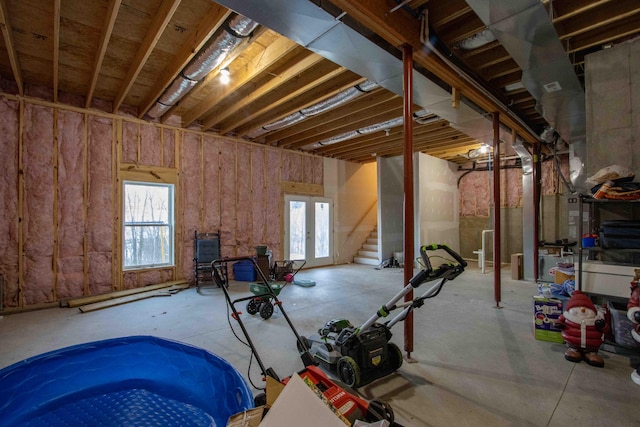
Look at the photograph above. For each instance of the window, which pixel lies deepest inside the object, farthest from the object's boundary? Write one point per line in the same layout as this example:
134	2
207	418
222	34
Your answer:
148	224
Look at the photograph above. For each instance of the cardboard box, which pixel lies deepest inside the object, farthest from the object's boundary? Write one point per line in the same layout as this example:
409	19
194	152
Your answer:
546	312
517	266
559	277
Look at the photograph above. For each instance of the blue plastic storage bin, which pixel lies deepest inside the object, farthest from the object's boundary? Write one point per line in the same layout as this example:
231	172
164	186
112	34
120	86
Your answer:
244	271
130	381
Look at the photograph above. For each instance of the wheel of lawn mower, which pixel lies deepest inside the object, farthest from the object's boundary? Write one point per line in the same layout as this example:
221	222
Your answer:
299	345
266	310
253	306
349	371
395	356
379	410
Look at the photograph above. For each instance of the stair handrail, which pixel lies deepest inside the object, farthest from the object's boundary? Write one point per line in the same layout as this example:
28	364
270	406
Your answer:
375	202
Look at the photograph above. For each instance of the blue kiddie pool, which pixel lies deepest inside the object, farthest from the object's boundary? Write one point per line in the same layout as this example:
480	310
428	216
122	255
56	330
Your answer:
131	381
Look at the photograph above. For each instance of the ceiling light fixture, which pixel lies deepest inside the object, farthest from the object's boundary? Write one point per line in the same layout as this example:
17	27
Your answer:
225	75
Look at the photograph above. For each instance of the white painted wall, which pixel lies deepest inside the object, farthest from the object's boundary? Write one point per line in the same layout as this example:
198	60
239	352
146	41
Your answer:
353	188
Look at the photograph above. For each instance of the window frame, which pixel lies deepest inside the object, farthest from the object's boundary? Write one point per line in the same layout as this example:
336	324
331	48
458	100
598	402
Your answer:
170	224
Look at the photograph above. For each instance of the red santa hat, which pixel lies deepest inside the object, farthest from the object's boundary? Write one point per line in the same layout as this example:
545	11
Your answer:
579	299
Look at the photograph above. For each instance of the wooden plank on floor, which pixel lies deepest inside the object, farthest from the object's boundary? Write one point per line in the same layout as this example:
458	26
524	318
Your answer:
134	297
111	295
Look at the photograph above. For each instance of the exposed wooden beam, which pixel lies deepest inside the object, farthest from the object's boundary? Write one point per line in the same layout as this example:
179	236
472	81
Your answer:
56	47
160	21
399	28
206	28
5	26
107	29
270	55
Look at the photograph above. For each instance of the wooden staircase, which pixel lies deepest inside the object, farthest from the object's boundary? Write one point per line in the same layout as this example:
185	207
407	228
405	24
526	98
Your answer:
368	254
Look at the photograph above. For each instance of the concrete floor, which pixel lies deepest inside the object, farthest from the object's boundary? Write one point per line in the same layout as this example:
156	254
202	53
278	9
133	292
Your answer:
476	365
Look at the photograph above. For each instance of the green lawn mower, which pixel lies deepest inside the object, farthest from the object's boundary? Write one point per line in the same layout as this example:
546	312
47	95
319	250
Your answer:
361	355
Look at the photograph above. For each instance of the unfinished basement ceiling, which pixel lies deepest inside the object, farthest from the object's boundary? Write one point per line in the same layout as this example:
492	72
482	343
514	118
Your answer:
162	59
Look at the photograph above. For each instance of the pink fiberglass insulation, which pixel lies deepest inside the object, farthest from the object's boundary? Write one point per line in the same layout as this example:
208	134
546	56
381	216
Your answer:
292	166
130	280
71	170
100	205
475	194
169	148
211	184
9	202
243	200
258	185
129	142
38	229
511	188
192	195
273	196
228	198
150	145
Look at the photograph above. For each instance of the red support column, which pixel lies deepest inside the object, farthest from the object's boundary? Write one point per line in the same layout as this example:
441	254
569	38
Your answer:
497	259
407	61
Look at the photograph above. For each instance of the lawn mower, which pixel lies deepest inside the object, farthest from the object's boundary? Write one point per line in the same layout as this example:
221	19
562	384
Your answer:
361	355
346	405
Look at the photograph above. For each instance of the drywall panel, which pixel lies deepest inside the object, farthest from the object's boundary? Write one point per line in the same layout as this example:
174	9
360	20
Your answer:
38	218
9	202
437	216
390	206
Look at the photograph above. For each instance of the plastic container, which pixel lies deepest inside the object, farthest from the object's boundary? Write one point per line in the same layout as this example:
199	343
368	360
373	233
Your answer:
589	240
244	271
261	250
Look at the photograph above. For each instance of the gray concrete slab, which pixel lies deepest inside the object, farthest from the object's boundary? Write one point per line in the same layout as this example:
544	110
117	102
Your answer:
476	364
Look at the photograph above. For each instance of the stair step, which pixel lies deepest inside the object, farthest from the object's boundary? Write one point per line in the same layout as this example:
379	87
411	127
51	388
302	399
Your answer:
365	260
374	234
372	241
367	247
369	254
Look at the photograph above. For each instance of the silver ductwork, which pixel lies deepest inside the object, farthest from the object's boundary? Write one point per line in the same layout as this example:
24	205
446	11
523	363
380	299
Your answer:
320	107
528	210
421	117
317	30
477	40
206	60
526	31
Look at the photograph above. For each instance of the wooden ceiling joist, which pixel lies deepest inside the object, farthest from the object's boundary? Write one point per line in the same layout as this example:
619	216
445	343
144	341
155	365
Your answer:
5	27
105	36
206	28
160	21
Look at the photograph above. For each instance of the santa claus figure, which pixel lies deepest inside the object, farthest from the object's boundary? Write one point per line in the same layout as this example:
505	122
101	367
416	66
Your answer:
582	329
633	314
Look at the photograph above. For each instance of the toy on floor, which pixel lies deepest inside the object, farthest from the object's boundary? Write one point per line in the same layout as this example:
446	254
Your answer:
633	314
583	328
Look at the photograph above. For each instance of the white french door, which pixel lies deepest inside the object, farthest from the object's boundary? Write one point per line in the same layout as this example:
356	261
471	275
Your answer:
308	229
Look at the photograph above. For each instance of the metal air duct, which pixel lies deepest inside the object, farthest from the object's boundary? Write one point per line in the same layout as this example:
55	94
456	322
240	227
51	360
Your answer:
322	106
207	59
526	31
